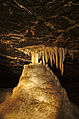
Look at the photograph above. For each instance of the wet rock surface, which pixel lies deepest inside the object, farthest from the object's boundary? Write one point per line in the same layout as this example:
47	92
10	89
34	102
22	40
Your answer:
38	95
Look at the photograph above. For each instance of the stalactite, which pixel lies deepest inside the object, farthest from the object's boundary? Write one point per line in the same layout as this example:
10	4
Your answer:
46	56
63	50
42	53
61	60
53	56
43	60
34	58
62	70
63	54
60	56
56	55
50	54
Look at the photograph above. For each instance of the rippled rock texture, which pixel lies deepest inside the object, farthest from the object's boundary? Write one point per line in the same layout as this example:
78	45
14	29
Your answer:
51	22
38	95
32	22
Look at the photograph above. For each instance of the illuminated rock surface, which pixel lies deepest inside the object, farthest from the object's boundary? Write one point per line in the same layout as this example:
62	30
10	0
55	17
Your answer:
34	22
38	95
53	55
49	22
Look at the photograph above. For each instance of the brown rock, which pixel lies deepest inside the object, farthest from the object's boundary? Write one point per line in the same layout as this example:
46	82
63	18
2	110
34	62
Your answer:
38	95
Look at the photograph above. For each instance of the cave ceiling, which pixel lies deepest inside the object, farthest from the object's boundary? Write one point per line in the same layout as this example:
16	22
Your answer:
34	22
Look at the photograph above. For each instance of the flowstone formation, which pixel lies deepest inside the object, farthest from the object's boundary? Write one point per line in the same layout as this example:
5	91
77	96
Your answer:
38	95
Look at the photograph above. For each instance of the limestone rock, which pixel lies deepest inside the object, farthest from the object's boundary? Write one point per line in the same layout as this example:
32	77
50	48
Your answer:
38	95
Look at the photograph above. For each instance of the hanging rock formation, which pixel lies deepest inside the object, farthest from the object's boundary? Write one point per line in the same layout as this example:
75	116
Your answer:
56	55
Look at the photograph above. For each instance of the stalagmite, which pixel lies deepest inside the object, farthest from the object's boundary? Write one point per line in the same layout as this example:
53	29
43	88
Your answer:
36	98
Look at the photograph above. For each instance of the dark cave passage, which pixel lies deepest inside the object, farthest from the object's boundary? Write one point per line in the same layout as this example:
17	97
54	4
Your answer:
8	78
70	78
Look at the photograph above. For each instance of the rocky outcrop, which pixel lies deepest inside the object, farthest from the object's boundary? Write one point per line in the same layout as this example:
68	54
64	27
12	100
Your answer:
38	95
